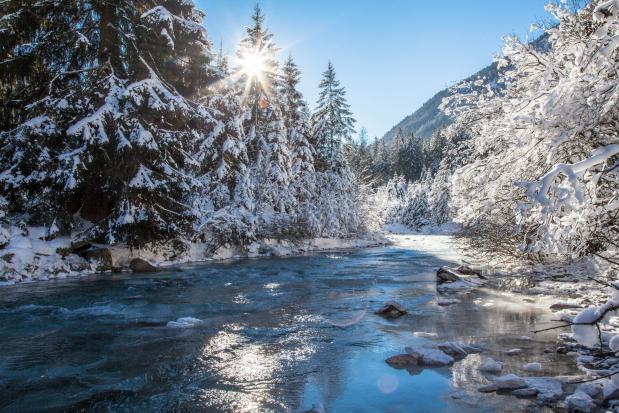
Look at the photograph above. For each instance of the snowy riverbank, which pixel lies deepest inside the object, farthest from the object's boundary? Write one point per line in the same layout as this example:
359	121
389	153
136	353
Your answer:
29	257
576	292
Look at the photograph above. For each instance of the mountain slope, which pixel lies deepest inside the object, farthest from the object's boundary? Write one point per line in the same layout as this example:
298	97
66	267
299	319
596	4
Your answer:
427	119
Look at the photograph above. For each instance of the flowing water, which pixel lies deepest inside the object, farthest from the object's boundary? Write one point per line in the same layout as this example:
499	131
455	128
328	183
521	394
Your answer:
276	334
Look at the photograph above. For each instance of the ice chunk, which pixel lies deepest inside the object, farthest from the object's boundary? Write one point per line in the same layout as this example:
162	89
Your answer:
185	322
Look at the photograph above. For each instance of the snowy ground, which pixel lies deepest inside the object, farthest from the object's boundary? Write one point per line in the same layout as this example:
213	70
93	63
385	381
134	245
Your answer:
28	257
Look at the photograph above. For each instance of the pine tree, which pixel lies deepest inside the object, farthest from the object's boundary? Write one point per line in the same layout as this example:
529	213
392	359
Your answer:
296	121
226	201
268	146
332	122
412	157
111	124
398	160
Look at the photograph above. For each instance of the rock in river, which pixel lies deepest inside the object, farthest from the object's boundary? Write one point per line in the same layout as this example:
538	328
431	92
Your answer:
491	366
140	265
509	382
391	310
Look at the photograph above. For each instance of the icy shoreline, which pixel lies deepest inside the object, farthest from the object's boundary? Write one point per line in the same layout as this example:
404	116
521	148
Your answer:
28	257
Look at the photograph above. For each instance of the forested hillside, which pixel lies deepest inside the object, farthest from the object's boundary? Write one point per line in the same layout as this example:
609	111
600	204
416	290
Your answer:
120	124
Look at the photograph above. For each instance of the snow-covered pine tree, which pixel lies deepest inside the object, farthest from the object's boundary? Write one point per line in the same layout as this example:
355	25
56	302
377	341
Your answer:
267	143
332	122
107	132
4	232
225	204
43	51
296	121
360	160
332	128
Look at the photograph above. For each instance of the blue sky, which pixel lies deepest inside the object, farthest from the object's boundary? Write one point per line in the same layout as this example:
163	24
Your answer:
391	55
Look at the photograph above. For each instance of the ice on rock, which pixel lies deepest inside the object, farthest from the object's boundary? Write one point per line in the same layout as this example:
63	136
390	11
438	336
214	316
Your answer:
430	356
491	366
185	322
585	334
613	344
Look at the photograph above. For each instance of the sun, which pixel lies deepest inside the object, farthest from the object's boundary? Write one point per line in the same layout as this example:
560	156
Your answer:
253	64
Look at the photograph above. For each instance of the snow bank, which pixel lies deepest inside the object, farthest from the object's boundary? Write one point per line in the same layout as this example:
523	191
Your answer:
29	257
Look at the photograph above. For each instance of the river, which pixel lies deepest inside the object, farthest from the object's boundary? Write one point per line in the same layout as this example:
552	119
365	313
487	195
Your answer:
253	335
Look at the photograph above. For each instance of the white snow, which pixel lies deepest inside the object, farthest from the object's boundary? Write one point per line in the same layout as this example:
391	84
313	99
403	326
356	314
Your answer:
587	335
429	356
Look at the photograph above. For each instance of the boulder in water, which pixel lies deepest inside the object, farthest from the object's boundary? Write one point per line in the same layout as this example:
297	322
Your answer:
509	382
446	275
491	366
458	349
140	265
431	357
391	310
402	361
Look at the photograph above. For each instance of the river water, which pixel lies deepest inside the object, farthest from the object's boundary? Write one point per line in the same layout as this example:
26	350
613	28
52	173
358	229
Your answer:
254	335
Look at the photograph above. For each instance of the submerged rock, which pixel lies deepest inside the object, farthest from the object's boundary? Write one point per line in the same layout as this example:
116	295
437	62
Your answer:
391	310
141	265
